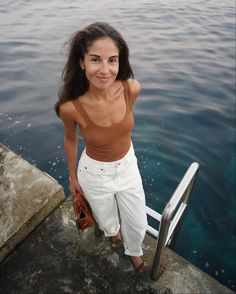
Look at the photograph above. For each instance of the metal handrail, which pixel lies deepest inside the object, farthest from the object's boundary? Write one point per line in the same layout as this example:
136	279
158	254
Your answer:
169	220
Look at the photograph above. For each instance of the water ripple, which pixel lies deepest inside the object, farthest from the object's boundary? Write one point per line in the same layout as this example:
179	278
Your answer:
183	54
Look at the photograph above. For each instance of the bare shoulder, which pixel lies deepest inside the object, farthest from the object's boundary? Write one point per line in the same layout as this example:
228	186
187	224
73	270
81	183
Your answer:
135	87
70	115
67	110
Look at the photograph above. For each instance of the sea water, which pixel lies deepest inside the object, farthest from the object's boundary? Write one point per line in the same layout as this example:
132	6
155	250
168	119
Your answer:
183	53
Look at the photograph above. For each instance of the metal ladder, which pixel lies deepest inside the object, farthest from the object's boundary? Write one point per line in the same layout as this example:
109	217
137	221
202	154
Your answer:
171	217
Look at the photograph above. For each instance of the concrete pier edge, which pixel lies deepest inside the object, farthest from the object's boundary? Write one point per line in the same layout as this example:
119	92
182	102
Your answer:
27	197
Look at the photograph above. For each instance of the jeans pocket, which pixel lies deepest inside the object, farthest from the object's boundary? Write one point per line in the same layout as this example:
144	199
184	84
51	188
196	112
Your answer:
89	175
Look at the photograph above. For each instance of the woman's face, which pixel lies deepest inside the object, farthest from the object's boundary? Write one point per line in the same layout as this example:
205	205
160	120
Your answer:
101	63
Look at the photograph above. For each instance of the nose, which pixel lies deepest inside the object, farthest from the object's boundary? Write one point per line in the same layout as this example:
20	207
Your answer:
104	68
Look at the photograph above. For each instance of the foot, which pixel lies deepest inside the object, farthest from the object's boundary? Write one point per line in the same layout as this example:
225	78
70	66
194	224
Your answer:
117	244
138	263
117	241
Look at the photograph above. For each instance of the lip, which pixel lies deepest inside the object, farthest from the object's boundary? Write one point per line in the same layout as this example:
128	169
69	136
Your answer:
103	79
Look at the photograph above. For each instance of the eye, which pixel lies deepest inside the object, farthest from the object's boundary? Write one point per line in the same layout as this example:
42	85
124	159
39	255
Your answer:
113	60
95	60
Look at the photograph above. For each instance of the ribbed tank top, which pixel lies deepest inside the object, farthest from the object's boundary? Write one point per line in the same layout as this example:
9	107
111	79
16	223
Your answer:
108	143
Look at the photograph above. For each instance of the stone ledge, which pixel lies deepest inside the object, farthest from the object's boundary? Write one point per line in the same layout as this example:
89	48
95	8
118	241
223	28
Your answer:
27	196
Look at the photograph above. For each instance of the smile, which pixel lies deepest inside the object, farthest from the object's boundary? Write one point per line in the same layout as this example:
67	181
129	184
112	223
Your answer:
103	79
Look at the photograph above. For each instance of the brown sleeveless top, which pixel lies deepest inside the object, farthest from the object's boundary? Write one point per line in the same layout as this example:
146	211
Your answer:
108	143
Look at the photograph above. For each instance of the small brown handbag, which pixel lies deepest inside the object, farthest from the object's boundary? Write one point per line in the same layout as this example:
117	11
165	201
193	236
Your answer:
83	214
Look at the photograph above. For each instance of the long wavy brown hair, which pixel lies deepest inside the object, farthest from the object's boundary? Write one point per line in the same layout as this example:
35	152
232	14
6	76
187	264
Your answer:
74	81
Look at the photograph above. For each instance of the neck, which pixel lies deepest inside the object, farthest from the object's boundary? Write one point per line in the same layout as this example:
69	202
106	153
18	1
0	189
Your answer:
99	94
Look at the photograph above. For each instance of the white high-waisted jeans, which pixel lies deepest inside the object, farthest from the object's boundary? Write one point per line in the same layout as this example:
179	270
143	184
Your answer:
116	186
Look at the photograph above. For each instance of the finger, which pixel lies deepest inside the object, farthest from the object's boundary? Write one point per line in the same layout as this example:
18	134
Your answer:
80	189
78	192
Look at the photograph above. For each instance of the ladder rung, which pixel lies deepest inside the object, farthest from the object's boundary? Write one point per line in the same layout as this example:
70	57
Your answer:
153	213
152	231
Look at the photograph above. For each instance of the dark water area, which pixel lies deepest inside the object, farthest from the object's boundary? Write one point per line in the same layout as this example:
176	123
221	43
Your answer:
183	53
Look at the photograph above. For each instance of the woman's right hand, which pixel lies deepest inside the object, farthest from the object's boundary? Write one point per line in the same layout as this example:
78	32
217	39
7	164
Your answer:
75	187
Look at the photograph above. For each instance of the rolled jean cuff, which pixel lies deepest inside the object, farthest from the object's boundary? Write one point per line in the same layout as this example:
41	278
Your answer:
111	235
133	253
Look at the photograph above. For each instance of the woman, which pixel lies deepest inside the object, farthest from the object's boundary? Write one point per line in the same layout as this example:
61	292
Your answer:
97	96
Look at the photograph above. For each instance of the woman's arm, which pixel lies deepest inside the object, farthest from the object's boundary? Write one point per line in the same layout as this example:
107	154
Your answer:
70	145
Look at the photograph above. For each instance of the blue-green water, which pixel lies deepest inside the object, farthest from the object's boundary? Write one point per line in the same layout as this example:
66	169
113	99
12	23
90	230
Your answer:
182	52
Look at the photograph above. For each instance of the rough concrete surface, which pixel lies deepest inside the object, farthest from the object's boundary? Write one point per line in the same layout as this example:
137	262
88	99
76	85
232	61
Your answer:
55	258
27	196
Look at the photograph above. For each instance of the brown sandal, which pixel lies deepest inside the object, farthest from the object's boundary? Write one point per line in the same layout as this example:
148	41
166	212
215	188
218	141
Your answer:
118	246
118	243
142	267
